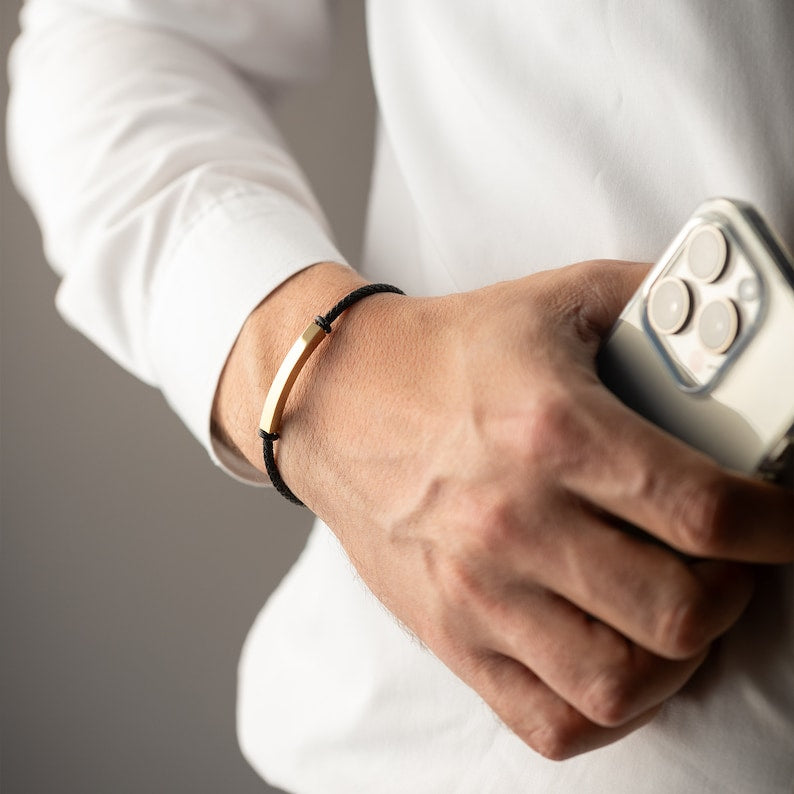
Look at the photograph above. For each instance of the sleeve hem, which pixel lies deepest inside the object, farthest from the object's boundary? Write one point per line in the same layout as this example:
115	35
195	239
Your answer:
220	272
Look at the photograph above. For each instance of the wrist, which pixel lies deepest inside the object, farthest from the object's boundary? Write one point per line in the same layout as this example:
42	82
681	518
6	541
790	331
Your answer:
295	360
261	345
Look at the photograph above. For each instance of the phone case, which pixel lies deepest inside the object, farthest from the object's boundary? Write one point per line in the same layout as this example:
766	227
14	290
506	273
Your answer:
705	348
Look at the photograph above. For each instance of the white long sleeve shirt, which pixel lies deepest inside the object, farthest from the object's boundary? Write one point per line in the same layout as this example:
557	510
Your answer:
513	137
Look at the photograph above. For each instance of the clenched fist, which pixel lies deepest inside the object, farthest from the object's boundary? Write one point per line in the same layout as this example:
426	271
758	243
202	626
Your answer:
480	478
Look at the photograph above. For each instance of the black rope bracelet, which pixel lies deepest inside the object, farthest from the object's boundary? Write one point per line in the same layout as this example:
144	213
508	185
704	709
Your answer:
288	372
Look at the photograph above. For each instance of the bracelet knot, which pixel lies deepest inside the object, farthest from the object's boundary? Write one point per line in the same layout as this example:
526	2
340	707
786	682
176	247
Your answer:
323	323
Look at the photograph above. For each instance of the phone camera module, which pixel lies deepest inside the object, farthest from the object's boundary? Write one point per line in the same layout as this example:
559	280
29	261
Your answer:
707	253
718	325
669	305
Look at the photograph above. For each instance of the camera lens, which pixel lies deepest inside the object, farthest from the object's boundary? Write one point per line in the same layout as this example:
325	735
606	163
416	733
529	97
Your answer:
718	325
668	305
707	253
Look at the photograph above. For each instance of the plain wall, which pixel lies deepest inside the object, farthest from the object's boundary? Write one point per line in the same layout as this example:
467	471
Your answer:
131	567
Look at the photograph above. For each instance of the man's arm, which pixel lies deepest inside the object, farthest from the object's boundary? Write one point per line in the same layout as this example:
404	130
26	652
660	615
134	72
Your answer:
166	197
461	447
476	472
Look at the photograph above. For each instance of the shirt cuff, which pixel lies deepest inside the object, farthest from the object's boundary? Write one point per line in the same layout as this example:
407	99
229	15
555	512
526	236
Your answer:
228	261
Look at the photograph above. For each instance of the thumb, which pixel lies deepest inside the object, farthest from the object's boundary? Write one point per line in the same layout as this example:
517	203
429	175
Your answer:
601	289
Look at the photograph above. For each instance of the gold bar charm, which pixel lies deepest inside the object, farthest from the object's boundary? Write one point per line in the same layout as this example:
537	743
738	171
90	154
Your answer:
285	377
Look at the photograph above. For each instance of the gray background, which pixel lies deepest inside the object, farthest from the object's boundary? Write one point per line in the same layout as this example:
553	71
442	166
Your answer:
131	567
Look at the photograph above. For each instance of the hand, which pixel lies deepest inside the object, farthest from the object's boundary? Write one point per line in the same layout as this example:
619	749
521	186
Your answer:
476	472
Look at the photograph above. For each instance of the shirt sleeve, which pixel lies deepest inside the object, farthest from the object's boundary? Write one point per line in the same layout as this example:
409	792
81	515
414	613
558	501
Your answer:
139	134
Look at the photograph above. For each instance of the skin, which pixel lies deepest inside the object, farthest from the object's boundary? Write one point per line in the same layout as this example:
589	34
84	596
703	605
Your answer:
477	474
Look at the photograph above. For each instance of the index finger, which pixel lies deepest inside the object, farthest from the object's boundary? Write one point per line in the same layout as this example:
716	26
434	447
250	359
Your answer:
674	492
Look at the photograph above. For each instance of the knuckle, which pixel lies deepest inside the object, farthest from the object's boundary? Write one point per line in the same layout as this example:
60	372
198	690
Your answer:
608	699
498	531
680	629
701	516
555	434
556	741
490	527
642	482
460	582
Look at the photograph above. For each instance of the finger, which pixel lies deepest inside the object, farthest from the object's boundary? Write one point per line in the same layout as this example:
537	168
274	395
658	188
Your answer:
536	714
606	678
645	476
642	590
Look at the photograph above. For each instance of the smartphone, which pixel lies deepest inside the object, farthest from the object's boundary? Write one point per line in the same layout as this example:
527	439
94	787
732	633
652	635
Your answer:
705	348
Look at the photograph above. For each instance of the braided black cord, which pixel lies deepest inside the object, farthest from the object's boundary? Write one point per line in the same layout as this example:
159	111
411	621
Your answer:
355	295
272	470
324	321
